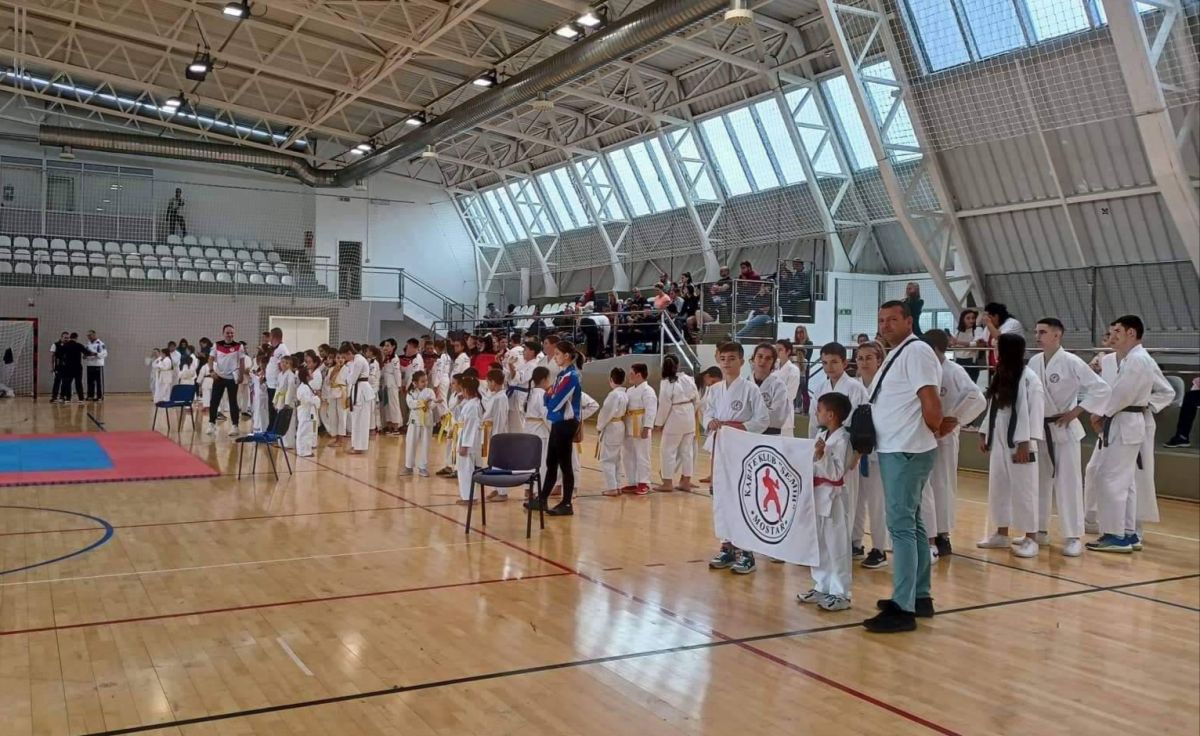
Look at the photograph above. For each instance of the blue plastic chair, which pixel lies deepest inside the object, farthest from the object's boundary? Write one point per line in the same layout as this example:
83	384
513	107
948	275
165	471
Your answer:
272	438
182	397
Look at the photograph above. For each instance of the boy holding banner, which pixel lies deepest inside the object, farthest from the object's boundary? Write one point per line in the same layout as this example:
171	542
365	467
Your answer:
732	402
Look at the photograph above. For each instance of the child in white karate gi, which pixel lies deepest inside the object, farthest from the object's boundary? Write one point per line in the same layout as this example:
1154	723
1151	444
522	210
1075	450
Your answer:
421	415
308	406
470	436
495	420
611	427
535	410
833	462
676	416
639	418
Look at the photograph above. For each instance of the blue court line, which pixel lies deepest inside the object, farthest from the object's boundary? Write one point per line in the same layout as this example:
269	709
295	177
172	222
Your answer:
108	534
99	423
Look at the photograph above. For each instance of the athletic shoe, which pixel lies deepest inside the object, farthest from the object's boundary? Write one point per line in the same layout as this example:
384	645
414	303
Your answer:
812	596
1111	543
942	541
996	541
744	565
923	606
933	552
405	471
859	552
1091	527
875	560
563	509
643	489
1177	441
834	603
1025	548
1042	538
1135	542
212	429
423	473
723	559
233	432
1073	547
891	620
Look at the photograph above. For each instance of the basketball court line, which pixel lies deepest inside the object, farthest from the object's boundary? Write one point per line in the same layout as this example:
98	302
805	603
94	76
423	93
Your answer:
204	521
293	656
741	642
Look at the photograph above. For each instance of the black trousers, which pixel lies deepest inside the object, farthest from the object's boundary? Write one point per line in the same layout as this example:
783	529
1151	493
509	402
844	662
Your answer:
559	454
68	379
57	389
95	382
227	386
270	408
1187	413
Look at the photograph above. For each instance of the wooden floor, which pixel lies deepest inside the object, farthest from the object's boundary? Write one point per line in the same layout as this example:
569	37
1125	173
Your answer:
345	600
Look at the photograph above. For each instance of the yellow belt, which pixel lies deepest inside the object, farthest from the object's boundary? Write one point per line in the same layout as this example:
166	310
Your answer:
421	413
635	417
487	437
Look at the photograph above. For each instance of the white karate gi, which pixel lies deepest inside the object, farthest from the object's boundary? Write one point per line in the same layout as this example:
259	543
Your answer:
790	373
308	405
1067	382
832	575
774	396
961	400
587	409
736	401
639	414
1012	488
374	378
392	380
676	416
205	383
285	395
362	401
259	415
495	421
243	388
870	505
421	410
848	386
440	380
162	371
535	422
611	426
470	436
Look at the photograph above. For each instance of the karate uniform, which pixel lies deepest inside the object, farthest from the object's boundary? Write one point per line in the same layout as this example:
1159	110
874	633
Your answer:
421	409
1012	488
392	380
495	421
440	378
739	401
308	405
774	396
611	426
639	414
789	372
519	377
163	372
962	400
374	377
204	382
243	388
587	409
535	422
1067	382
258	403
362	401
470	436
1108	373
847	386
285	395
832	574
870	504
186	376
676	416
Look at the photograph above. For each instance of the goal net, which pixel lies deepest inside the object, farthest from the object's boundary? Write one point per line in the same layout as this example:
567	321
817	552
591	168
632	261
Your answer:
18	357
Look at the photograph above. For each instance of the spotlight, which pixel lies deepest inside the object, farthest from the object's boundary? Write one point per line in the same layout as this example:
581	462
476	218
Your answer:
200	66
355	152
568	31
417	119
488	79
364	148
237	9
173	103
593	18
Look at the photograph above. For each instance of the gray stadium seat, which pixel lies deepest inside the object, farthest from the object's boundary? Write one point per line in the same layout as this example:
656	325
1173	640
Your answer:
22	254
133	260
273	257
6	267
252	244
179	251
174	239
59	256
171	275
240	278
162	250
118	272
58	244
273	280
99	272
211	253
20	242
195	252
235	244
286	280
40	242
207	276
42	269
221	241
183	263
167	262
190	240
217	265
205	240
150	261
246	266
80	271
243	255
265	268
228	254
200	263
5	254
95	246
154	274
23	267
258	255
190	276
223	277
62	269
116	259
232	265
137	273
256	278
79	258
146	249
111	247
5	241
75	245
96	259
281	268
128	248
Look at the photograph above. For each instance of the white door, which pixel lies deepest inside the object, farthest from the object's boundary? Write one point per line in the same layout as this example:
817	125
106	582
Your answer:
302	333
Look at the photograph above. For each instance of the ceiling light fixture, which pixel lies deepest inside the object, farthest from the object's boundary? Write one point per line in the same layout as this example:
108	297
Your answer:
593	18
569	31
488	78
417	119
200	66
237	9
173	103
364	148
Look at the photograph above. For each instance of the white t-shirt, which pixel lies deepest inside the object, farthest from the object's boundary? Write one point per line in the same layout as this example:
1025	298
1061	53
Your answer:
273	365
899	424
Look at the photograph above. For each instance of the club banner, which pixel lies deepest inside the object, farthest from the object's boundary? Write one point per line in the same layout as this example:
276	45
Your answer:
763	495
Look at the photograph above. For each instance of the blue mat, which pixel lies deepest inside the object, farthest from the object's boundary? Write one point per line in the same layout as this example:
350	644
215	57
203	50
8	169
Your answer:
31	455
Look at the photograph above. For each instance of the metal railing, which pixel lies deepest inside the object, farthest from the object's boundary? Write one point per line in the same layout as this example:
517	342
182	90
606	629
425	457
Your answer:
738	309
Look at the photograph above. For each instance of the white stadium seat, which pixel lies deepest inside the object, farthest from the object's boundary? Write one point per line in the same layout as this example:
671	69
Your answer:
95	246
223	277
243	255
195	252
62	269
42	269
167	262
75	245
22	254
200	263
179	251
150	261
23	267
154	274
205	241
111	247
232	265
80	271
183	263
273	280
228	254
96	259
20	242
6	267
212	253
146	249
40	243
252	244
190	240
117	272
137	273
221	241
281	268
258	255
100	272
79	258
206	276
171	274
273	257
190	276
5	254
5	241
173	239
235	244
240	278
134	260
256	278
58	244
286	280
217	265
128	248
116	259
162	250
250	267
265	268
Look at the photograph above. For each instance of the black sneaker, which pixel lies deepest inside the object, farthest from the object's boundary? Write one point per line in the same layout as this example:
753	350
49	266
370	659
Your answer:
875	560
942	542
563	509
859	552
924	606
891	620
1177	441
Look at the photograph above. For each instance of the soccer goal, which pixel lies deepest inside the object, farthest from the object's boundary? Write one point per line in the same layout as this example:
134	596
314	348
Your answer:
18	356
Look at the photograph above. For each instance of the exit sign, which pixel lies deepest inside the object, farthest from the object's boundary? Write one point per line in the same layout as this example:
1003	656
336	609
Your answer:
844	312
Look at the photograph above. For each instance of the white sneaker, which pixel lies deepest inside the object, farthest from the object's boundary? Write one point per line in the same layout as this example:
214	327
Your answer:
933	553
834	603
212	429
233	432
1042	538
406	471
423	473
1025	548
996	541
1073	547
812	596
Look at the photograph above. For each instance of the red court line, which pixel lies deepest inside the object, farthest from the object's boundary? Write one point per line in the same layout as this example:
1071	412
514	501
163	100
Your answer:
693	625
277	604
207	521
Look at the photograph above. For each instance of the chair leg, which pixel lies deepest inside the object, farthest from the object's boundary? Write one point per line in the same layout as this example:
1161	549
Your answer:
154	421
285	456
254	460
482	504
470	508
179	429
529	513
270	449
241	449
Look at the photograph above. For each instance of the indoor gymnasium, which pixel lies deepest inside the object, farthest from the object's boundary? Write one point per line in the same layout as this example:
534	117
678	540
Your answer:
599	367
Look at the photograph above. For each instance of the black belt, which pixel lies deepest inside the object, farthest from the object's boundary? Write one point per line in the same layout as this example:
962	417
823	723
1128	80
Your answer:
1048	431
1108	423
772	431
354	391
1012	421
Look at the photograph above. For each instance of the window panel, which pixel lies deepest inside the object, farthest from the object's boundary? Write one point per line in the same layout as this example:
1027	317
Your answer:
900	132
563	200
1051	18
652	177
994	25
780	141
940	35
666	178
725	157
629	183
858	146
598	188
757	160
528	206
687	149
506	221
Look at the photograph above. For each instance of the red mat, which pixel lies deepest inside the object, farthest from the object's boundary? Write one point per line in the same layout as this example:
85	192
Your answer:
135	456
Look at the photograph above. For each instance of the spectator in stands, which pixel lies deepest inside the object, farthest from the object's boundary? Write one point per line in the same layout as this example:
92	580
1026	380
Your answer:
747	272
492	312
97	352
175	219
614	304
589	295
970	334
661	297
276	351
914	302
862	338
1187	415
637	301
59	392
759	317
720	290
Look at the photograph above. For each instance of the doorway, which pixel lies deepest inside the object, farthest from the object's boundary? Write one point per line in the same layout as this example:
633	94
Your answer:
302	333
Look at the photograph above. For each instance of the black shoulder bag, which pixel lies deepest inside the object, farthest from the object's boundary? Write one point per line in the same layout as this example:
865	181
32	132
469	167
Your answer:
862	424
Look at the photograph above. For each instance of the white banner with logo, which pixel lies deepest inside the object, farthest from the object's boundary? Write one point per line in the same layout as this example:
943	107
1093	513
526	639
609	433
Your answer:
763	495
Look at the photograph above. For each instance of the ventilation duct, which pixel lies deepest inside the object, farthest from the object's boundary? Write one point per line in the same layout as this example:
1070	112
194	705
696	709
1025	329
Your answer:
627	35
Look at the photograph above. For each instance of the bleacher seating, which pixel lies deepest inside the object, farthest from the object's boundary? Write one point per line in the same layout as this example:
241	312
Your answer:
203	262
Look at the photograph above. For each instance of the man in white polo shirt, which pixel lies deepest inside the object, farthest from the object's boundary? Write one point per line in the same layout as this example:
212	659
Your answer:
278	350
907	413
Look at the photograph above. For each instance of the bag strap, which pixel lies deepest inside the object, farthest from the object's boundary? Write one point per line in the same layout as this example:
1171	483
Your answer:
888	367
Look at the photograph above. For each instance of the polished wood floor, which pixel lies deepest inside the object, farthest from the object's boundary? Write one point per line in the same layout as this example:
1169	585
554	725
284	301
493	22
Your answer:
345	600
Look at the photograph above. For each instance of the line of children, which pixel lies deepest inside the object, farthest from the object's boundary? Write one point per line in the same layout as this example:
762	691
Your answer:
610	425
640	411
676	416
422	417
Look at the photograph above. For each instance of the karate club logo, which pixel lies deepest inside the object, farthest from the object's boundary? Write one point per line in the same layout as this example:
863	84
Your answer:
1055	378
769	492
